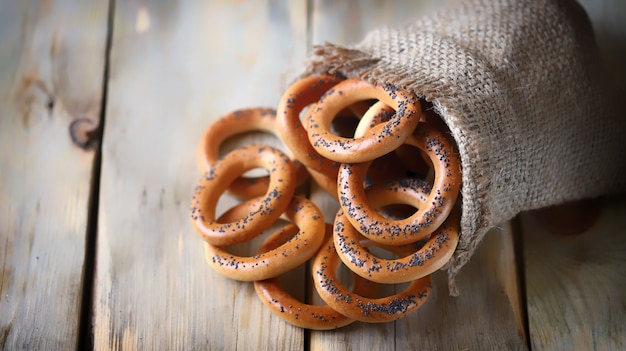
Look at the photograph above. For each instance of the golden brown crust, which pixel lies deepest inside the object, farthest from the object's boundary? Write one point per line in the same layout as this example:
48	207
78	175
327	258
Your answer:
302	246
301	94
361	308
240	122
392	143
281	303
380	140
420	262
221	173
433	208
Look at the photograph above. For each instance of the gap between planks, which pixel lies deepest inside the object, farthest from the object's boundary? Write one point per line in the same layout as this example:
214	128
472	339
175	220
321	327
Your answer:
85	332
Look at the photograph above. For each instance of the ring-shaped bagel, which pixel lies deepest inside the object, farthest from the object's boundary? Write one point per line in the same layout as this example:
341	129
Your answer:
302	246
378	141
377	113
290	309
433	255
221	173
396	164
372	310
388	166
299	95
436	208
238	122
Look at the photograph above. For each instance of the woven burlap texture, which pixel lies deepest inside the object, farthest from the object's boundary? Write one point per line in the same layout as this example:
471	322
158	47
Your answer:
524	93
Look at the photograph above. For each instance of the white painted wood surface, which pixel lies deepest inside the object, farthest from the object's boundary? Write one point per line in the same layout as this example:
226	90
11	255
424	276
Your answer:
51	69
575	285
175	67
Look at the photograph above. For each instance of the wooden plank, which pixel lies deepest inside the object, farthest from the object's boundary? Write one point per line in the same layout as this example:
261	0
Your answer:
489	283
52	60
488	315
575	284
175	67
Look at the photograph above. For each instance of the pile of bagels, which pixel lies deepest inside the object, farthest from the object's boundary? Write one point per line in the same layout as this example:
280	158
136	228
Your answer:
396	176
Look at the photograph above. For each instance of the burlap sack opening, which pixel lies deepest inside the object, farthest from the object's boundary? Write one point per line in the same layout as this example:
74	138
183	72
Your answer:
522	88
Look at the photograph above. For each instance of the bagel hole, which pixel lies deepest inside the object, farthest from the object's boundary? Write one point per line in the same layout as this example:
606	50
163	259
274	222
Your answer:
345	278
251	247
416	164
346	121
396	211
385	290
224	202
405	161
252	138
291	281
400	287
256	173
381	253
344	125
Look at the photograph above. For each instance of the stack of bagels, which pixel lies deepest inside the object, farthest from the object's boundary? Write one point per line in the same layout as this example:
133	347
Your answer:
396	177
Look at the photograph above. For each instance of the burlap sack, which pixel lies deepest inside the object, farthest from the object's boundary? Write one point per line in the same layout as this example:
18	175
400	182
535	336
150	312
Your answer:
522	89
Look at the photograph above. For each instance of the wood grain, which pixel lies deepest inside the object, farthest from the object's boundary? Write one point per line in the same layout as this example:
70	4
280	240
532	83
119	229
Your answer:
488	315
176	67
51	65
575	289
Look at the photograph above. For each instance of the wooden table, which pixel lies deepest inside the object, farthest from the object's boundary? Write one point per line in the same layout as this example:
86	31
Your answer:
101	108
